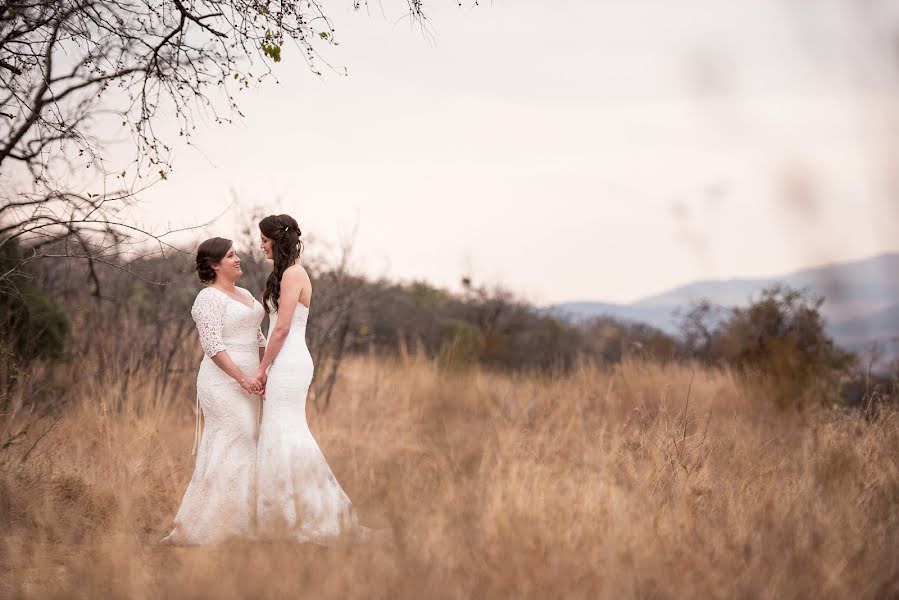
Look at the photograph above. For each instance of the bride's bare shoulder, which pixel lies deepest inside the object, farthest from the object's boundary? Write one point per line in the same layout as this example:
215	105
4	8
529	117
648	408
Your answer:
295	272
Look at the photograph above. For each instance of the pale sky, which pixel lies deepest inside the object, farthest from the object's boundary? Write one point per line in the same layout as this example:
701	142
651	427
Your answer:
600	150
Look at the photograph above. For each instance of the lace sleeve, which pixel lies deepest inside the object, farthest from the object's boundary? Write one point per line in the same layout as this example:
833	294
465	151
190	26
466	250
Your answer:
208	313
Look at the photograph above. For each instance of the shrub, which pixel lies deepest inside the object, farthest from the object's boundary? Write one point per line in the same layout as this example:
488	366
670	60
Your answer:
32	326
780	340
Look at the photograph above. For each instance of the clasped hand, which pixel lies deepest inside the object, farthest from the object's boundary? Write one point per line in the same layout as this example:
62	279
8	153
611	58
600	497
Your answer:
255	385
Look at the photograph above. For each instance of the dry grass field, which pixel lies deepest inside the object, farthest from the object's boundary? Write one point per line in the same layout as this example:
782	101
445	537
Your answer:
641	481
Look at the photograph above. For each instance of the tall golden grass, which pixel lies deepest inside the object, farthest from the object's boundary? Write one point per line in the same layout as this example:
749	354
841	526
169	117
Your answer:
642	481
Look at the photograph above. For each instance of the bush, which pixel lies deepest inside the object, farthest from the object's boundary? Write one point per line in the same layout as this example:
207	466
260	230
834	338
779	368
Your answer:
32	326
778	339
463	344
611	341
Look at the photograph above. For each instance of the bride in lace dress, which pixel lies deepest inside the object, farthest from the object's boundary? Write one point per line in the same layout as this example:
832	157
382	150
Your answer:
298	496
220	501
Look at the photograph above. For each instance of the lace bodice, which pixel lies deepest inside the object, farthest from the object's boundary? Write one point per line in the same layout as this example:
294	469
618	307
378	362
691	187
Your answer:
225	323
220	500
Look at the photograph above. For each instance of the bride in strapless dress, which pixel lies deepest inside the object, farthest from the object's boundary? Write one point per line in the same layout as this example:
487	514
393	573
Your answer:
297	495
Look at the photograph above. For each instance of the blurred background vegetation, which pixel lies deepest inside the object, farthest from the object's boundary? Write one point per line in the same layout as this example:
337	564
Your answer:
121	314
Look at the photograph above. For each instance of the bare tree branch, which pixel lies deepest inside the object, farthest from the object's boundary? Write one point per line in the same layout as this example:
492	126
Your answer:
72	68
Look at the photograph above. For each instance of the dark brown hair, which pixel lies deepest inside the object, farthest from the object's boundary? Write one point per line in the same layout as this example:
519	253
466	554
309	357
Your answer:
284	232
210	252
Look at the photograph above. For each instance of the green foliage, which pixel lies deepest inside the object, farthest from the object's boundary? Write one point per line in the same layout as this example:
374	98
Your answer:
32	326
426	295
463	344
273	51
780	340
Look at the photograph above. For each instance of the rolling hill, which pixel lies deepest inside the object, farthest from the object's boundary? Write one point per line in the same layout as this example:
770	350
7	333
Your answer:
861	301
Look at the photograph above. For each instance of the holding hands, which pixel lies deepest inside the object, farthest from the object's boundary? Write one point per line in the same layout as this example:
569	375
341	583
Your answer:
255	385
252	386
261	380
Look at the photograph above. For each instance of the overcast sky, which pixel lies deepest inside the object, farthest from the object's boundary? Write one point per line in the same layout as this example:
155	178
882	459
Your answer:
570	150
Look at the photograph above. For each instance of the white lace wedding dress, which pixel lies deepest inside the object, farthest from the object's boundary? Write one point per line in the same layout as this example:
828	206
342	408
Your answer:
220	501
298	496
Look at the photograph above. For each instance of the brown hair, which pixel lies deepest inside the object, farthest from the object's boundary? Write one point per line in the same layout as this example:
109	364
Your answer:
284	232
210	252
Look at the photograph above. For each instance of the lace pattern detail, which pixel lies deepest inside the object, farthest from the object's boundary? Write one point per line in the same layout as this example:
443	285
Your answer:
208	312
261	342
218	333
220	500
298	496
255	479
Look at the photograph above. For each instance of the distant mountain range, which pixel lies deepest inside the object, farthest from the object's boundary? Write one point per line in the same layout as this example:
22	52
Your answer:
861	301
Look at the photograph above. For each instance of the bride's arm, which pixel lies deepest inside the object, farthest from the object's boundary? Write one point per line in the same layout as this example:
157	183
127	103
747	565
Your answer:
208	313
223	361
292	283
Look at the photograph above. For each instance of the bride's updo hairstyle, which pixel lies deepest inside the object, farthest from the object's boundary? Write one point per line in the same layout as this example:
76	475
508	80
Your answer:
284	232
209	253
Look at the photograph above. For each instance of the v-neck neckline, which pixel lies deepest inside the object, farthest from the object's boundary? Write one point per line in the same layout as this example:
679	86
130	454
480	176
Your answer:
230	297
